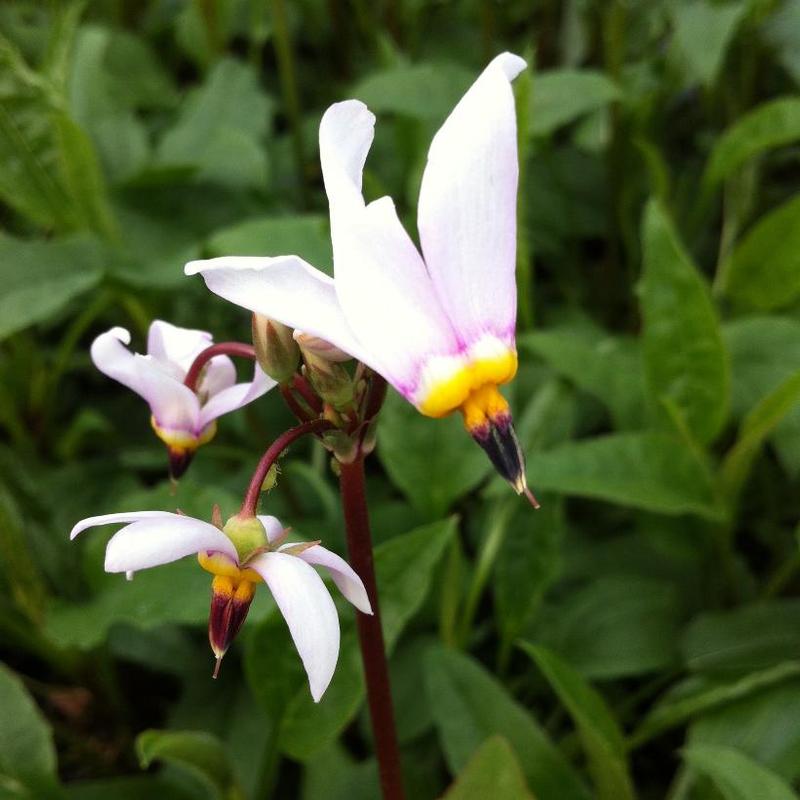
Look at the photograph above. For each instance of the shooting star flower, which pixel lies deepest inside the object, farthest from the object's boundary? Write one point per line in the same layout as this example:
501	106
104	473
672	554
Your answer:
182	417
240	555
439	326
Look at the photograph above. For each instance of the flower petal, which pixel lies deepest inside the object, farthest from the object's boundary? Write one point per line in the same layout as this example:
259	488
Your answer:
236	396
110	519
219	374
273	526
160	540
176	345
284	288
467	206
344	576
174	406
309	612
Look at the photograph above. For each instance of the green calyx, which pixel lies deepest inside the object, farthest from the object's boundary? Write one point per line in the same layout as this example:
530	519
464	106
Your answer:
247	534
276	350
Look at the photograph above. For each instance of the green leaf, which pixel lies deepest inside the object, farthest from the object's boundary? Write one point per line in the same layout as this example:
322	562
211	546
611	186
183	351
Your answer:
767	126
608	367
469	705
561	96
745	639
82	177
735	775
334	774
492	771
27	754
600	734
763	725
764	270
703	31
652	471
701	694
425	91
221	127
685	358
757	426
433	461
128	788
305	235
616	626
404	568
198	753
39	278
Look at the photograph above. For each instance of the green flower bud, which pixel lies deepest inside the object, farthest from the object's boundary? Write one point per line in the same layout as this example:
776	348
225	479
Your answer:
247	535
276	350
331	381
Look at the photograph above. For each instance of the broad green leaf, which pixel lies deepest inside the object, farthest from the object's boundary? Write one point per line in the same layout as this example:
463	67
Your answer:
617	626
745	639
781	32
700	694
600	734
763	725
764	270
221	127
492	771
198	753
703	30
333	774
561	96
82	176
305	235
27	754
404	568
528	563
651	471
39	278
757	425
128	788
433	461
685	358
469	705
767	126
737	776
425	91
608	367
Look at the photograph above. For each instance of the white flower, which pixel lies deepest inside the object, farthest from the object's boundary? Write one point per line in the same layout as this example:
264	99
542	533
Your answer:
242	555
439	326
183	418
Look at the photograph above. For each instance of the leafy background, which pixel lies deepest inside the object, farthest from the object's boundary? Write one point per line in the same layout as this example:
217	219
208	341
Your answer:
637	637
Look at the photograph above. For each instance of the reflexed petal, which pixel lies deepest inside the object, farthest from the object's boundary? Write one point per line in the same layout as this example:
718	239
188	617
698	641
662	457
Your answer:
110	519
309	612
176	345
174	406
467	206
385	291
236	396
219	374
160	540
273	526
344	576
286	289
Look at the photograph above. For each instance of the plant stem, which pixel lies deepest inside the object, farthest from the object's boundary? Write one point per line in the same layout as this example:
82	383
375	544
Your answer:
273	453
221	349
370	634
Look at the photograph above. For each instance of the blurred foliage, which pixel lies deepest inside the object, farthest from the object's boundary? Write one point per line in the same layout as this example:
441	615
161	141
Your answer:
638	637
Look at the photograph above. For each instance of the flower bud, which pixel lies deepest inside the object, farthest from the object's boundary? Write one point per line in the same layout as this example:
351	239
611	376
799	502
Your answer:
320	347
247	534
331	381
276	350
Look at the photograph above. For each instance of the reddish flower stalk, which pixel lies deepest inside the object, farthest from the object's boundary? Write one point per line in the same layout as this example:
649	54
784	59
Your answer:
221	349
370	634
273	453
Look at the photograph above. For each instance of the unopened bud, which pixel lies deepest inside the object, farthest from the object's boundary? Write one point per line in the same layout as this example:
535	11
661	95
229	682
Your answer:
276	350
247	534
331	381
320	347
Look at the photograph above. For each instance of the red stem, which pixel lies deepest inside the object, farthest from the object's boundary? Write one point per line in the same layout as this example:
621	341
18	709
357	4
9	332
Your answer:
370	634
221	349
273	453
303	388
